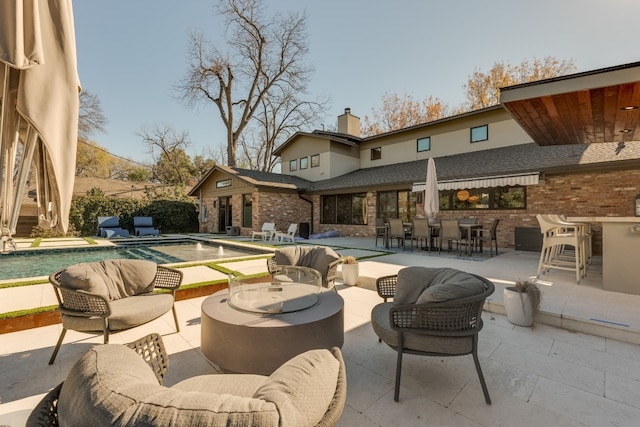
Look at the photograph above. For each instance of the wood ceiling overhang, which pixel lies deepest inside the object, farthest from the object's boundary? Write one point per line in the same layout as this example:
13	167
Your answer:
594	106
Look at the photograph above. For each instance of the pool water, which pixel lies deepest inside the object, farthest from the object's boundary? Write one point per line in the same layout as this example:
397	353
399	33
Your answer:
16	265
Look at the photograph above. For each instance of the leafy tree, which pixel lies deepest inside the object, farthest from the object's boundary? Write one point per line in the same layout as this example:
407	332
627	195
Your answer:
265	59
401	112
167	147
483	89
93	160
201	165
139	174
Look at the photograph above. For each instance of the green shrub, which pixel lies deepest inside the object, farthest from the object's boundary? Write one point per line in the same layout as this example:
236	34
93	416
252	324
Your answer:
173	211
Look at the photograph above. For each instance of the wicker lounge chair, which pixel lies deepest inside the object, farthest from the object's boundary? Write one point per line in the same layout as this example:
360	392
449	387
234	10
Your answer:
435	312
109	226
308	390
113	295
321	258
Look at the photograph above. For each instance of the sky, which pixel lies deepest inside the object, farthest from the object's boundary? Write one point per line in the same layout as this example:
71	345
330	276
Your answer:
132	54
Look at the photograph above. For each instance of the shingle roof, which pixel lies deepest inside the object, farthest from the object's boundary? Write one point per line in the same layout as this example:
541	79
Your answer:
513	159
500	161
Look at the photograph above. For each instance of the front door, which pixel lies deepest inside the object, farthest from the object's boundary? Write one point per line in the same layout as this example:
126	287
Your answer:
224	214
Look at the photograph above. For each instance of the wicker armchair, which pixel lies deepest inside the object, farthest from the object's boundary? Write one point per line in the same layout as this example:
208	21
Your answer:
93	312
153	352
150	348
323	259
447	328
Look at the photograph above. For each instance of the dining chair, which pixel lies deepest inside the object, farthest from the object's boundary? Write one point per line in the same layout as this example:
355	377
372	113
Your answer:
450	231
420	232
396	231
491	237
381	231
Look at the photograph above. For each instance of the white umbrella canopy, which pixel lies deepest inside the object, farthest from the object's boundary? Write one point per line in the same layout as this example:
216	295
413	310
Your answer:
431	199
39	101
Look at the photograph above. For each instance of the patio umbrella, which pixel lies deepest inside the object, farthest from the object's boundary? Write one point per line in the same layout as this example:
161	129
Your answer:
431	199
39	109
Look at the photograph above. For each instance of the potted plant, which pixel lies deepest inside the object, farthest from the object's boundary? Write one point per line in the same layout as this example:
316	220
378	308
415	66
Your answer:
350	270
521	302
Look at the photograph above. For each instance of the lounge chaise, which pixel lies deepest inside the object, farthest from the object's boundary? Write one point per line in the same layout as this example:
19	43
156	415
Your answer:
122	385
109	226
143	226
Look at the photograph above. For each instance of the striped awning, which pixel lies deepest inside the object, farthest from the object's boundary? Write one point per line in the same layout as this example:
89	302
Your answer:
484	182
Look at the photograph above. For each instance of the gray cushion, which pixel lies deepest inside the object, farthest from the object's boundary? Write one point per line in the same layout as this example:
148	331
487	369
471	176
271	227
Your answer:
122	278
125	313
316	257
81	277
418	285
302	388
112	385
244	385
87	397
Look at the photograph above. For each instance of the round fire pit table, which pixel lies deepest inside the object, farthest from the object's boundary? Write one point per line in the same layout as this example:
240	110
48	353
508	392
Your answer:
259	343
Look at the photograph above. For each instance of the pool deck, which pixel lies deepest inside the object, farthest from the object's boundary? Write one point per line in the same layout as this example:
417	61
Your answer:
579	365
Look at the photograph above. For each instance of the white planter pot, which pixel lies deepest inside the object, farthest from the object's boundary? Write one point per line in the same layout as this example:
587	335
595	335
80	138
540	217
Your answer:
518	307
350	273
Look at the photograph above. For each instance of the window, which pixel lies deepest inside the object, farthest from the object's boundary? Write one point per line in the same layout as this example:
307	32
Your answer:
247	210
293	165
484	198
480	133
315	160
397	204
424	144
376	153
304	162
344	209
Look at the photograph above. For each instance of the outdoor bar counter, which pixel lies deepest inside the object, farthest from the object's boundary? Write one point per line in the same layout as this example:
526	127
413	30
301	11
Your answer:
620	252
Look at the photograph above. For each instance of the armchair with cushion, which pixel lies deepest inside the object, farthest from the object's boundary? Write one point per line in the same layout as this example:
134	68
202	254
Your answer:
113	295
435	312
321	258
112	385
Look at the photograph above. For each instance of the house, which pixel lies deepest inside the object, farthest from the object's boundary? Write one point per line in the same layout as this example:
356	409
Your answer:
568	145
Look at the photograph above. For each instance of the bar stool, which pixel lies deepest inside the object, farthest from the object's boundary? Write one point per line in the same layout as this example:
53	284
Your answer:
556	236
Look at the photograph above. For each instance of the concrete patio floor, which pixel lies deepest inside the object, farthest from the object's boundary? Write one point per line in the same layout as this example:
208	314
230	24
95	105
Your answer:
579	364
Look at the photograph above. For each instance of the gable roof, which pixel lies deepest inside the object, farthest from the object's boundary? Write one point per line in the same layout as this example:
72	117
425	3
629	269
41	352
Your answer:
256	178
341	138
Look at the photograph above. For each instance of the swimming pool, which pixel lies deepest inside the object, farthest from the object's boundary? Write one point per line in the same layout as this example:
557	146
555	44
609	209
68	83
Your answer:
17	265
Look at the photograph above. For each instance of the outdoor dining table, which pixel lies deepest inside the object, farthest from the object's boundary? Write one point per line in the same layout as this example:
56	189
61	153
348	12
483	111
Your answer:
468	228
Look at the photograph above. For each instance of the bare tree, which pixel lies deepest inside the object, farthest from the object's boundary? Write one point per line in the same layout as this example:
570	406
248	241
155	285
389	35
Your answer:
483	89
278	117
401	112
263	53
167	148
91	119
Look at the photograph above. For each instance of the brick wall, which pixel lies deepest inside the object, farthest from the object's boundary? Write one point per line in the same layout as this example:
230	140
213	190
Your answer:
585	194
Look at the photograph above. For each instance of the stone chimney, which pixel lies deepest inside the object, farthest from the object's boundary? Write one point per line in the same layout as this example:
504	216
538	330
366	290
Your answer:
348	123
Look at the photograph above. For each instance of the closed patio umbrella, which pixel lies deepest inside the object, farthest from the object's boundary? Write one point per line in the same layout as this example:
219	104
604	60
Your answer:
39	109
431	199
